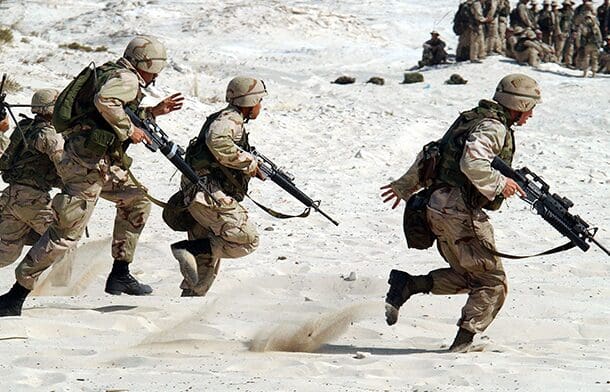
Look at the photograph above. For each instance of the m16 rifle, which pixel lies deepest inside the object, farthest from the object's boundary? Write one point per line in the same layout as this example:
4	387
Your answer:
173	152
551	207
2	97
286	182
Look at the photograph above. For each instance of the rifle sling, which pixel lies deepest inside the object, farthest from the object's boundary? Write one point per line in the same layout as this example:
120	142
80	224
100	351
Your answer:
268	210
141	187
560	248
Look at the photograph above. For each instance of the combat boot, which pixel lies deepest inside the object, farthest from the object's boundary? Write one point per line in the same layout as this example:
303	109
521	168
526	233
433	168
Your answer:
462	342
186	253
402	287
11	303
121	281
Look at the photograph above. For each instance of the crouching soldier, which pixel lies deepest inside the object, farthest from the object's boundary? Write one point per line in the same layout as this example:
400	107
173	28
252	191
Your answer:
220	157
28	167
463	184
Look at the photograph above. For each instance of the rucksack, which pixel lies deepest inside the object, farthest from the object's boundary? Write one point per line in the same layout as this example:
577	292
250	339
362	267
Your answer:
63	112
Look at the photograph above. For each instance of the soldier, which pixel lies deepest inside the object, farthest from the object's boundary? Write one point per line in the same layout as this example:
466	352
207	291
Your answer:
565	30
590	41
28	167
528	50
503	14
546	22
461	20
477	37
220	155
492	39
511	42
94	165
465	183
521	16
604	60
434	51
573	47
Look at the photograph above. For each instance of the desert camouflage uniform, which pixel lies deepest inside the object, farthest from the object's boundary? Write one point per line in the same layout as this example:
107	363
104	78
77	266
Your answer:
504	10
525	18
25	204
604	60
227	226
472	268
477	35
88	176
492	39
590	43
528	50
4	142
566	14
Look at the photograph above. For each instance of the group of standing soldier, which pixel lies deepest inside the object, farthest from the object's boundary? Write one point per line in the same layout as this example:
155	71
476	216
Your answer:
77	143
573	37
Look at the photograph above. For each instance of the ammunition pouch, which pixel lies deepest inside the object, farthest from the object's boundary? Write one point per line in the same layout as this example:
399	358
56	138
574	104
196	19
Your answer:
98	141
415	222
176	214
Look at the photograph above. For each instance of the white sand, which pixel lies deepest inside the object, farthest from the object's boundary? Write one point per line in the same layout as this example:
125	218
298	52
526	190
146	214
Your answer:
342	143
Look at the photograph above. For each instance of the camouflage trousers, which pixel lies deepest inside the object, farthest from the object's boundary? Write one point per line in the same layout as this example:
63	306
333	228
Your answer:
73	208
26	215
472	268
229	230
493	42
462	52
588	56
560	43
477	44
502	24
604	63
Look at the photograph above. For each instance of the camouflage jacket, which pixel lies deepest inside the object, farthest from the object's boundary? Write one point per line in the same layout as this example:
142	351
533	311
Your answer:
120	87
589	31
485	141
33	163
226	144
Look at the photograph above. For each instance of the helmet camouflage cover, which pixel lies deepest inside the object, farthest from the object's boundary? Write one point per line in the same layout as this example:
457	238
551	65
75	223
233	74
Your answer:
244	91
518	92
43	101
146	53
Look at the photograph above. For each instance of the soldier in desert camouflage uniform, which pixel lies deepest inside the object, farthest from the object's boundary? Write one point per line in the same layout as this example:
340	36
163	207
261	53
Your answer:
220	155
529	49
604	59
590	37
28	167
94	166
477	36
465	183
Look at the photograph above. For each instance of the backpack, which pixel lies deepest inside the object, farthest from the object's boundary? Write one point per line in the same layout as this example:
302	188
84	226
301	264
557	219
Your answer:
460	20
63	112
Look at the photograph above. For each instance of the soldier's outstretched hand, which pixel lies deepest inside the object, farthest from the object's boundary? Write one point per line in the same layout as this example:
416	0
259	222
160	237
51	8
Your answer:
168	105
390	195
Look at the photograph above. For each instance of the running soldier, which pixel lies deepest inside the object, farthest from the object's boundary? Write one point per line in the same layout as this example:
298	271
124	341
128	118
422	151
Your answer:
220	156
28	167
94	165
463	185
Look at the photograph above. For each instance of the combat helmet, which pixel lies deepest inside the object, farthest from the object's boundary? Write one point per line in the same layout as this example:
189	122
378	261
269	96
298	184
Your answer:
146	53
43	101
244	91
517	92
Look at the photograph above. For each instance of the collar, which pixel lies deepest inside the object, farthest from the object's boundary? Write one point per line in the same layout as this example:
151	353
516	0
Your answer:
123	62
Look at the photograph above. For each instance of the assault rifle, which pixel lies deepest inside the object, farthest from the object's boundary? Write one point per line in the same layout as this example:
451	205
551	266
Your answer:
286	182
172	151
552	208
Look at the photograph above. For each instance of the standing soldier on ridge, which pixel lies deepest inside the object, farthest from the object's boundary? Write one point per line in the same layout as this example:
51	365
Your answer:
590	41
462	185
566	14
29	168
477	35
503	14
220	156
94	165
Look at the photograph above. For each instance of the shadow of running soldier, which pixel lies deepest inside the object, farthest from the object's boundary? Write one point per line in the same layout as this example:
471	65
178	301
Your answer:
454	196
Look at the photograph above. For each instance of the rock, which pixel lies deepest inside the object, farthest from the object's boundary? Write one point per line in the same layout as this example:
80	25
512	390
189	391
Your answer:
269	228
344	80
351	277
360	355
282	257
